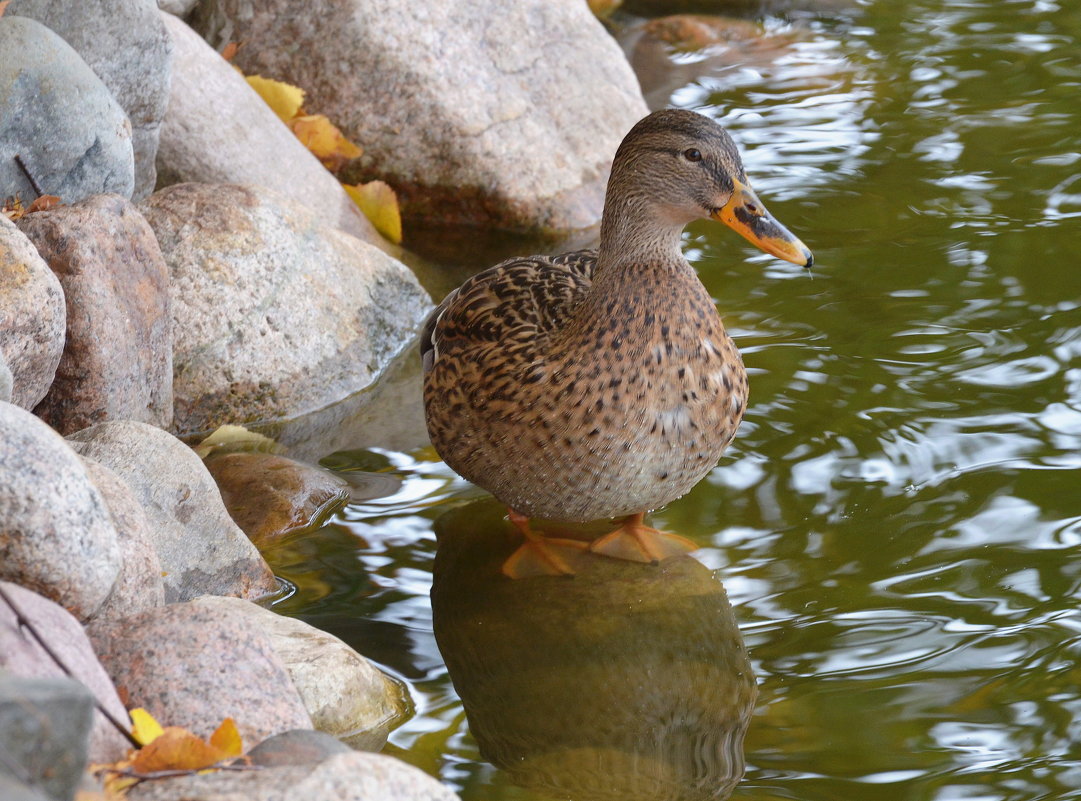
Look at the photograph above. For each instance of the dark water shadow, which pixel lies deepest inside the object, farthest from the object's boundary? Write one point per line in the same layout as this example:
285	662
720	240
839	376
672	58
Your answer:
627	681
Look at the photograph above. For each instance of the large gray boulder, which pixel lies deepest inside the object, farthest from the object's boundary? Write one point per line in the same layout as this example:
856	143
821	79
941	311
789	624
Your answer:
219	131
56	114
32	315
118	355
274	313
201	549
504	114
125	44
56	535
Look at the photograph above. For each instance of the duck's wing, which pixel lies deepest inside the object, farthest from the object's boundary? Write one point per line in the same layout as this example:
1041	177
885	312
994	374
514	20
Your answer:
519	303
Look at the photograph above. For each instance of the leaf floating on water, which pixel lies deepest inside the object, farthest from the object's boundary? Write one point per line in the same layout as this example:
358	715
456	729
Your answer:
284	98
380	205
324	140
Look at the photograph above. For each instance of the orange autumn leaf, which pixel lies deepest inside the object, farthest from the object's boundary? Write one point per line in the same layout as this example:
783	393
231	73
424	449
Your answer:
227	740
43	203
176	749
380	205
229	51
324	140
3	6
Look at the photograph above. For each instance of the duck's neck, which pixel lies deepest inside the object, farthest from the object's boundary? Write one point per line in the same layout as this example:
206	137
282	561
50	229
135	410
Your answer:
634	239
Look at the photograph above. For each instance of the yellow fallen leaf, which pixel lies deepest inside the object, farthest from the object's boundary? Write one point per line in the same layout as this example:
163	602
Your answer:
284	98
380	205
227	740
176	749
144	728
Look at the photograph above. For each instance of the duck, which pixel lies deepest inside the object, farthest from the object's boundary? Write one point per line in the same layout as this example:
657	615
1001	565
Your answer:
601	384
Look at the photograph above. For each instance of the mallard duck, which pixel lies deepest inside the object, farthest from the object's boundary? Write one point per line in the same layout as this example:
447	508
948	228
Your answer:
602	384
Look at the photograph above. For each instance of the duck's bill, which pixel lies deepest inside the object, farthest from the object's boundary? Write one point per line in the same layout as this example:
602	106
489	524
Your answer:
745	214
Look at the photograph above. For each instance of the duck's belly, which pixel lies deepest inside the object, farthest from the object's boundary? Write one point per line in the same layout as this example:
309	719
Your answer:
595	444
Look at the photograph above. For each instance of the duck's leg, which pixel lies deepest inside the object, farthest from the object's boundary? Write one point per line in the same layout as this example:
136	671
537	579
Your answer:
538	555
637	542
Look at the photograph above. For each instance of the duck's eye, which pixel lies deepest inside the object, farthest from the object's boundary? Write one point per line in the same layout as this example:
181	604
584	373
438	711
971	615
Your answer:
692	154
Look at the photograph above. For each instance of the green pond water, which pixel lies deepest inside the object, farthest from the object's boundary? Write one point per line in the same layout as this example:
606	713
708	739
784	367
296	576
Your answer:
898	522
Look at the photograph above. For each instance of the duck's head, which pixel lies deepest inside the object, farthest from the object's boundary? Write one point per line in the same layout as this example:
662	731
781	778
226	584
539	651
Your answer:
676	166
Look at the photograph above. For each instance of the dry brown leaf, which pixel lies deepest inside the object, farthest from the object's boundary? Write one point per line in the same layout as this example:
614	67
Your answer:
229	51
44	203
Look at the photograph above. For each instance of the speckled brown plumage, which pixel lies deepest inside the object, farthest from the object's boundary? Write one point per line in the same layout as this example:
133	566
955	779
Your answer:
600	384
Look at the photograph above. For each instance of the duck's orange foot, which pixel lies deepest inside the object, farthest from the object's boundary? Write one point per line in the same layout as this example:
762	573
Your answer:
539	555
637	542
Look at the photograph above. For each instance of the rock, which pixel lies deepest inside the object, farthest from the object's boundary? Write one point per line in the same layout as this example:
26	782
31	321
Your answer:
271	496
32	315
118	357
218	130
297	747
180	8
59	117
14	790
21	655
44	731
190	666
139	584
345	777
6	380
490	113
343	692
274	315
56	536
132	59
201	549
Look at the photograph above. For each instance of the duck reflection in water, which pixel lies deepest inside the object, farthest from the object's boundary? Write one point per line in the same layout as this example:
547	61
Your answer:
628	681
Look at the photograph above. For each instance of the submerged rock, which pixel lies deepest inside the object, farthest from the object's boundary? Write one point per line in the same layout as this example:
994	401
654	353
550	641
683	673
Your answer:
274	313
56	535
59	117
118	355
32	316
501	114
271	496
22	655
125	44
218	130
191	666
345	694
200	547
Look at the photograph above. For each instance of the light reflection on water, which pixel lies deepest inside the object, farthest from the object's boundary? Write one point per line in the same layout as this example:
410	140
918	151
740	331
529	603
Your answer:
898	523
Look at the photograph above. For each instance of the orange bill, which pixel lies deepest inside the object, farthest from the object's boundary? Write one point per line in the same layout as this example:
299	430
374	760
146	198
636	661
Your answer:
745	214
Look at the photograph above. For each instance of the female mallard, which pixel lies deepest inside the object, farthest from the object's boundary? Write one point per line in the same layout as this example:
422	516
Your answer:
602	384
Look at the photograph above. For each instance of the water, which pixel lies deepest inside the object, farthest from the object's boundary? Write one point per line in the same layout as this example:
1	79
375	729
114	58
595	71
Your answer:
898	522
